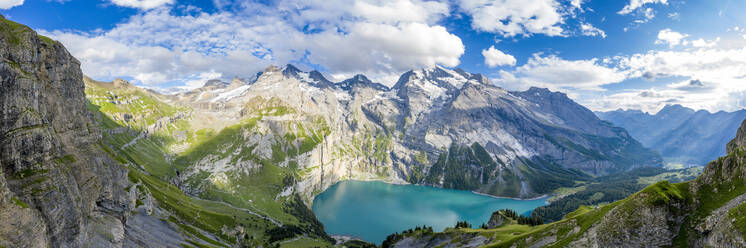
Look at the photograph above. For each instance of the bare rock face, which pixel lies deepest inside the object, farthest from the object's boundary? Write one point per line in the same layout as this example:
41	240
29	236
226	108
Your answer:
55	179
740	140
496	220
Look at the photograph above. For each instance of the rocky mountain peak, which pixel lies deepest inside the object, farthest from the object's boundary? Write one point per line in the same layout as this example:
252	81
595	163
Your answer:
360	80
318	77
439	80
544	92
740	140
215	83
236	82
121	83
675	109
291	71
480	78
271	69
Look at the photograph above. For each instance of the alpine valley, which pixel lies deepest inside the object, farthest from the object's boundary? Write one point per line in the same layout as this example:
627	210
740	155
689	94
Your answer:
683	136
238	164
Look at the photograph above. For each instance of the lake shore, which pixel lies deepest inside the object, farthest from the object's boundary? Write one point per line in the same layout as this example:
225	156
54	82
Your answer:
402	182
515	198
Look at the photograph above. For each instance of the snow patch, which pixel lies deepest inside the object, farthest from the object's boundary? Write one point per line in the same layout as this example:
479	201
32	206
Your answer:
431	90
500	138
342	95
240	91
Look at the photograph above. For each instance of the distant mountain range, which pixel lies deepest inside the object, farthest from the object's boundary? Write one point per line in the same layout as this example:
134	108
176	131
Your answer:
682	135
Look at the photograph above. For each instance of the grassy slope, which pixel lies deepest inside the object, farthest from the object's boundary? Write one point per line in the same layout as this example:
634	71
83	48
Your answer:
255	192
607	189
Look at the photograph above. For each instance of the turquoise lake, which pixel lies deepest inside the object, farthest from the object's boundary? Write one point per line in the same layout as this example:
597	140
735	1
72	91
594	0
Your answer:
373	210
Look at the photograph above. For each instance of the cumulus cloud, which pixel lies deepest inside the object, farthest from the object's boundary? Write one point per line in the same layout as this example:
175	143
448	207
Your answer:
724	67
371	37
635	4
141	4
703	43
652	100
401	10
516	17
710	78
558	74
494	57
7	4
672	38
589	30
715	79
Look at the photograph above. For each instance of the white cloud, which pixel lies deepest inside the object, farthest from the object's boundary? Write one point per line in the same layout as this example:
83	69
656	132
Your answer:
674	16
652	100
708	78
7	4
672	38
589	30
141	4
559	74
635	4
703	43
576	3
494	57
714	79
405	46
515	17
197	80
401	10
375	37
724	68
649	14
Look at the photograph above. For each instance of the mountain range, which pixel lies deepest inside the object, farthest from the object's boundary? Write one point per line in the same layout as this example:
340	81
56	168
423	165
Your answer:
109	164
682	135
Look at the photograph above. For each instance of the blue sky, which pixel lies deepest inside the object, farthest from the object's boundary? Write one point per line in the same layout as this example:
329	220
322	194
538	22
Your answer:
637	54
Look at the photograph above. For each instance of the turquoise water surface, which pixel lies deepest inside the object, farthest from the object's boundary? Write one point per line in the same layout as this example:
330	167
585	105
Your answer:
373	210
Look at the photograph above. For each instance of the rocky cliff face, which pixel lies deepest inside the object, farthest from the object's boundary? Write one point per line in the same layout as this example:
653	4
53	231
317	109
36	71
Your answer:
57	187
707	212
